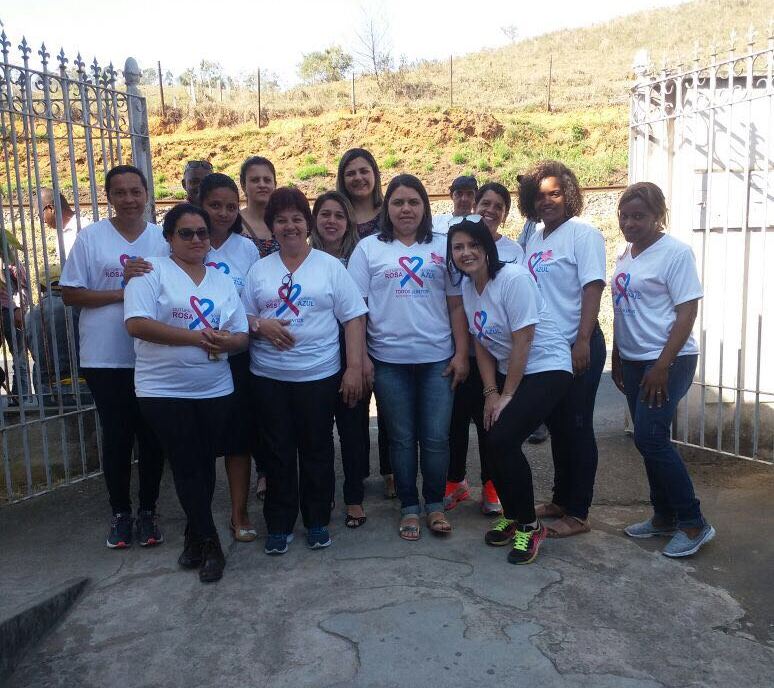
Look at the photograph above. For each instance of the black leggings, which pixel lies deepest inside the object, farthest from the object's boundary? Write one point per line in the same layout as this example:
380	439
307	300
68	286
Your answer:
189	430
121	420
468	405
535	398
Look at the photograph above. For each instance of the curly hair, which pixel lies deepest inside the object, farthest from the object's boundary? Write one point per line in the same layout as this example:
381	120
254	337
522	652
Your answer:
529	186
652	196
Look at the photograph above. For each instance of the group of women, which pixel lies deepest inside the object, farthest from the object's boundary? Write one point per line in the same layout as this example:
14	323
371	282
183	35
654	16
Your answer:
247	332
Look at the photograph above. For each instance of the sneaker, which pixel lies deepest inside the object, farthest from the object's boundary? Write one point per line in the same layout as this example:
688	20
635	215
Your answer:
277	543
647	529
490	502
213	561
683	546
317	538
148	531
191	556
501	533
120	535
526	544
539	436
456	493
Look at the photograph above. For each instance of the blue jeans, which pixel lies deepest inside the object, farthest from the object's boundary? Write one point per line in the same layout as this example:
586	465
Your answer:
671	489
416	403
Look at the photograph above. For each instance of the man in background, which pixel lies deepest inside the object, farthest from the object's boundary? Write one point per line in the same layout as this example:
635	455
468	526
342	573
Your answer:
463	194
195	171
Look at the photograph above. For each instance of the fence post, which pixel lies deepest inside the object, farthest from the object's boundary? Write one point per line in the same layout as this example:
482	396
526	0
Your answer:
259	98
550	75
138	127
161	91
354	106
451	81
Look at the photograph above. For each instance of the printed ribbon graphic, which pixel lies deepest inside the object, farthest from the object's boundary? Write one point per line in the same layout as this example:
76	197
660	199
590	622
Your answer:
122	259
223	267
411	266
622	280
289	297
479	320
202	308
536	259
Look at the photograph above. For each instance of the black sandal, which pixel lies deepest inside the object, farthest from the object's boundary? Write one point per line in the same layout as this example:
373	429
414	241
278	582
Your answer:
354	521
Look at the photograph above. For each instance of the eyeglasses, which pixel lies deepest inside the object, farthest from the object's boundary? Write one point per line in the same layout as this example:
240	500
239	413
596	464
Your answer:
194	164
188	234
463	218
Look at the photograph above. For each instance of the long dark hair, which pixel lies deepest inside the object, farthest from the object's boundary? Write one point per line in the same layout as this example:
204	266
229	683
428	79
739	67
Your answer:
176	212
479	232
350	238
529	186
348	157
425	229
216	180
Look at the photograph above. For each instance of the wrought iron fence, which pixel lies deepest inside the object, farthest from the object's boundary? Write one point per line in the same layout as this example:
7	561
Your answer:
705	133
62	127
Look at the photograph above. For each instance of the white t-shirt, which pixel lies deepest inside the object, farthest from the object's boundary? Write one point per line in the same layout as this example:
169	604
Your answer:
235	257
562	264
509	250
96	262
645	291
169	295
510	302
69	234
406	288
322	295
441	223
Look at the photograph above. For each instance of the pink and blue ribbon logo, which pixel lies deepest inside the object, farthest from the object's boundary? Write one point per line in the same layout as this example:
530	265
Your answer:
622	280
202	308
479	320
122	259
223	267
289	296
411	266
538	258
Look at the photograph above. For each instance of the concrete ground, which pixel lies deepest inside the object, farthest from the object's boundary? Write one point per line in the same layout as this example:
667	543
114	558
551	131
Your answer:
597	610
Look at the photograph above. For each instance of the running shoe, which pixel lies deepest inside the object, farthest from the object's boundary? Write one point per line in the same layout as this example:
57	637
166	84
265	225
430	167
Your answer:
646	529
317	538
490	502
683	546
456	493
501	533
277	543
526	544
120	535
148	531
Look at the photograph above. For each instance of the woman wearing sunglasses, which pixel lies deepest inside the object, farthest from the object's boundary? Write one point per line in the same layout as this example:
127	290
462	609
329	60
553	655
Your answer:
295	299
187	318
493	202
233	255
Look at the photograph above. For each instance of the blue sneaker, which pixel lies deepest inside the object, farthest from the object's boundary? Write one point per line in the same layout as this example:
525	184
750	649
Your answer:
120	535
277	543
646	529
683	546
317	538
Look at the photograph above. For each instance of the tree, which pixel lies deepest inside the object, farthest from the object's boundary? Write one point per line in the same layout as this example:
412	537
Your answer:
511	32
187	76
332	64
375	54
149	77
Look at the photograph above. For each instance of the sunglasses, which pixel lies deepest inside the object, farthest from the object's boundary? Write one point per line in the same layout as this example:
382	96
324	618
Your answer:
462	218
188	234
194	164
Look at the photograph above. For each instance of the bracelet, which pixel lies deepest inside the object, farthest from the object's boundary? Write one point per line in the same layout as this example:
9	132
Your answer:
489	390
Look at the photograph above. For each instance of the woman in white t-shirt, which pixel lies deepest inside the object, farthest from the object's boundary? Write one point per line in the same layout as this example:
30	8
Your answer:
105	255
417	340
566	257
295	299
525	367
493	202
234	255
656	292
186	318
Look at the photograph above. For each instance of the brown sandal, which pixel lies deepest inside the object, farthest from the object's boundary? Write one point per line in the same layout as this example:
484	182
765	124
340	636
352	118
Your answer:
567	526
549	510
438	523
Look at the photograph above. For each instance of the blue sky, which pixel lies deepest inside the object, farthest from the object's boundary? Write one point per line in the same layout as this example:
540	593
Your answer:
244	35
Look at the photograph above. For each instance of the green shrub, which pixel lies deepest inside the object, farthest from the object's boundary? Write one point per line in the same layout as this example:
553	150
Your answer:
459	158
309	171
390	162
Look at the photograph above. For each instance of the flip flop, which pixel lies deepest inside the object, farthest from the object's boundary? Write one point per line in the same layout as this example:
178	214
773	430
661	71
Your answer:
354	521
242	533
409	527
438	523
567	526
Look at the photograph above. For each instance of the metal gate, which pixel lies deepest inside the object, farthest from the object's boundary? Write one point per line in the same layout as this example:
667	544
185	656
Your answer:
705	134
62	127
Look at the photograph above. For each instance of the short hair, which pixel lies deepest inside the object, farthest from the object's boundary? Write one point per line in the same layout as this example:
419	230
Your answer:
287	198
194	164
480	233
652	196
351	236
529	185
499	189
348	157
425	229
250	162
176	212
216	180
124	169
47	198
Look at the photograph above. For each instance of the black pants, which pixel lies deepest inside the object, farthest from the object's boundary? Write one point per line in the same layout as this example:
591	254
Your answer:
468	404
122	422
536	396
573	444
383	441
297	420
354	445
189	430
